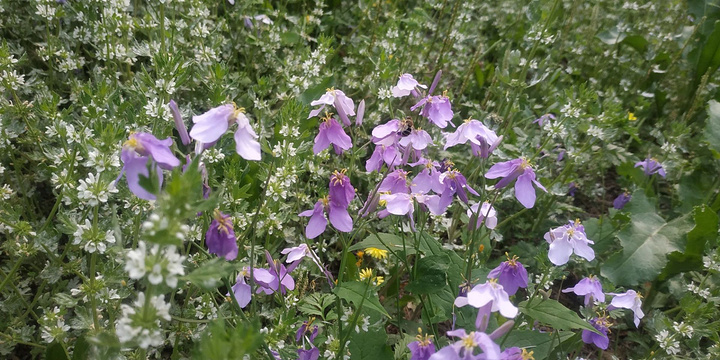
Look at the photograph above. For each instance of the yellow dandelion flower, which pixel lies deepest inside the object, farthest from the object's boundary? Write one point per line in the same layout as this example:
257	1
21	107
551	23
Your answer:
365	274
631	116
379	280
376	253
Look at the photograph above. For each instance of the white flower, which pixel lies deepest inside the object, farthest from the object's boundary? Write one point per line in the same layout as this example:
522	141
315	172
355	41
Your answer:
94	190
683	329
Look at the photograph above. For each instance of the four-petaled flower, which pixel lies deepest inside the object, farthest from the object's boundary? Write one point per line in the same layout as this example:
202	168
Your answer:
136	152
590	288
521	170
405	86
567	239
511	274
490	293
629	300
343	105
331	133
220	237
211	125
482	140
601	324
651	166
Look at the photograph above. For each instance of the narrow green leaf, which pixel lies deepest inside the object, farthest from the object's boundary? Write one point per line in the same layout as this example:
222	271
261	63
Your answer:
209	275
356	291
553	313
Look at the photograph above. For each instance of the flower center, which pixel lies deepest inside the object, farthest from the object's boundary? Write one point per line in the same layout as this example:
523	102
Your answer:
134	144
469	341
224	223
338	177
527	355
525	164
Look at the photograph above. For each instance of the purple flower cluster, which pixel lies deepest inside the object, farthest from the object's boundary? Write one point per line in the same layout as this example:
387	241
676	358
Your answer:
335	205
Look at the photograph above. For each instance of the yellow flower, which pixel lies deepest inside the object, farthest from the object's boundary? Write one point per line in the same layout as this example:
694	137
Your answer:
379	280
365	274
631	116
376	253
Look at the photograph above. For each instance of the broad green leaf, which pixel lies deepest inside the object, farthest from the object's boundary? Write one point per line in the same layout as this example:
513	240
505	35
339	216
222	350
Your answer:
709	59
55	351
431	275
636	42
358	293
601	231
430	245
539	343
712	127
695	188
553	313
222	342
646	241
704	232
384	241
210	274
369	345
81	350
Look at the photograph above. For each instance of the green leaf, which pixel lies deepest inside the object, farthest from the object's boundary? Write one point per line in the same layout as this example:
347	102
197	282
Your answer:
695	187
611	36
358	293
431	275
55	351
209	275
370	345
704	232
384	241
646	241
553	313
636	42
430	245
317	304
479	76
81	350
709	59
539	343
220	342
712	127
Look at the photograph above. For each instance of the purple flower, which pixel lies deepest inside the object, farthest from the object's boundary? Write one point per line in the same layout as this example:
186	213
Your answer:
405	85
395	182
482	140
601	324
629	300
360	113
428	178
589	287
455	183
511	274
572	188
179	123
521	170
220	237
437	109
305	328
276	278
467	345
621	200
383	154
567	239
651	166
331	133
241	290
486	214
541	120
210	126
418	139
344	105
422	348
137	151
312	354
296	253
387	134
489	293
336	204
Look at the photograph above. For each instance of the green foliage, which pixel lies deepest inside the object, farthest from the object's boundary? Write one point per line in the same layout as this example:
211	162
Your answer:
361	295
554	314
225	342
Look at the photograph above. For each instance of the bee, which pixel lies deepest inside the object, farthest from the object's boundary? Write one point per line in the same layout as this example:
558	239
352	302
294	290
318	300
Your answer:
406	127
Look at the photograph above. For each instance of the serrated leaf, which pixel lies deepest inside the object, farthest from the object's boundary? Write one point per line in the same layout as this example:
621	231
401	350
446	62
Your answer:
370	345
646	242
317	304
553	313
384	241
360	293
209	275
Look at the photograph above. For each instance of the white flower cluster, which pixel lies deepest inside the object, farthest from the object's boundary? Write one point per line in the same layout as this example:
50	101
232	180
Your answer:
159	264
92	239
94	190
668	343
141	323
53	326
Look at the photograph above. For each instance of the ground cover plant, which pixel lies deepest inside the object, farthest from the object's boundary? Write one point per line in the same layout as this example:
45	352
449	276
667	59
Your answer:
359	179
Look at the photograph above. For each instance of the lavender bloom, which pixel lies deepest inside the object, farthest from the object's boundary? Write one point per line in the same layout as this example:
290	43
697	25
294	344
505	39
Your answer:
341	193
467	345
489	293
437	109
541	120
179	123
622	200
455	183
572	188
296	253
651	166
588	287
344	105
312	354
306	328
137	151
331	133
387	134
276	278
629	300
601	324
241	290
405	85
428	178
220	237
360	113
567	239
395	182
418	140
211	125
521	170
383	154
511	274
422	348
482	140
398	204
486	214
